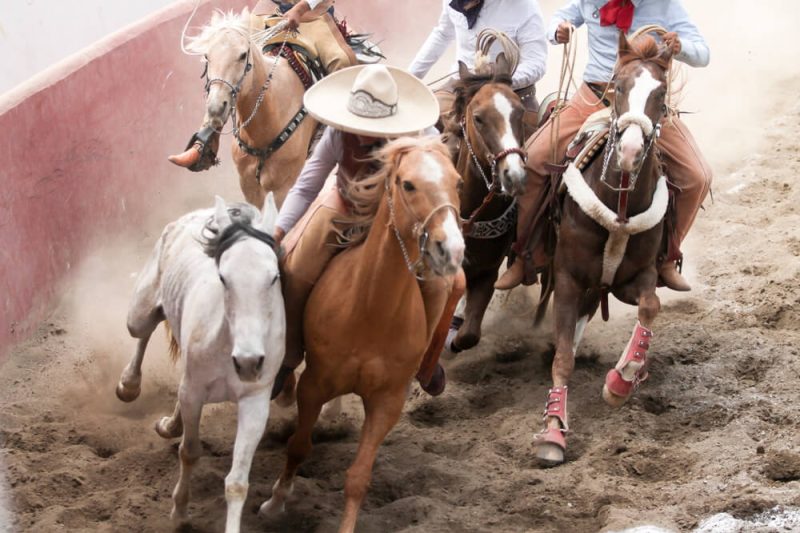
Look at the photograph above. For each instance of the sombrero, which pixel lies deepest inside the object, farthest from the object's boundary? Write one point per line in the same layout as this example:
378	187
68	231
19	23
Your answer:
374	100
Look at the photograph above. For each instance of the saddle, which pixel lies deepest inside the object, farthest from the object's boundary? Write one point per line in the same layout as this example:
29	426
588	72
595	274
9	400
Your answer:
300	52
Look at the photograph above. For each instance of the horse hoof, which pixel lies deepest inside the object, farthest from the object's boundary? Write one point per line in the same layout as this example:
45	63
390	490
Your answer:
128	393
549	453
286	397
271	508
166	429
437	383
178	518
612	399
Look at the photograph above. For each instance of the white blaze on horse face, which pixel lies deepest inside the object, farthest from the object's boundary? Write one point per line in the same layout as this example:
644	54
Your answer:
511	168
631	143
453	243
430	168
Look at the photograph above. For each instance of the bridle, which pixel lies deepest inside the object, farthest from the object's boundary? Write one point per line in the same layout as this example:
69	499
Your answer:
618	125
420	228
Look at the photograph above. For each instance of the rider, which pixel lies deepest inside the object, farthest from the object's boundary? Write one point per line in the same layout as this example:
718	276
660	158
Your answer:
686	166
316	24
463	20
363	107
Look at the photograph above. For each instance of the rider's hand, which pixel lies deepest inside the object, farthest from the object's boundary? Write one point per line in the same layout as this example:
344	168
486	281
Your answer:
296	13
563	31
278	234
672	40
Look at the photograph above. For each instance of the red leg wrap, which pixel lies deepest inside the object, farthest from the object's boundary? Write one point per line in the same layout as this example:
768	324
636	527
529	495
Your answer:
619	381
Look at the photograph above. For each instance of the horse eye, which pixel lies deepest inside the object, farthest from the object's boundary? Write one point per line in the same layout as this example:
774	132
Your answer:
242	56
478	120
274	280
408	186
222	280
460	185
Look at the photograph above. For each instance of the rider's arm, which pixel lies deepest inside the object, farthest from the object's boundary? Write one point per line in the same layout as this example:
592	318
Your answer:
532	50
694	50
571	13
435	45
311	179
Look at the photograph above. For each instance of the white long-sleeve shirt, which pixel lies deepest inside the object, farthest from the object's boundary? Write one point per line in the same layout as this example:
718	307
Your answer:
669	14
519	19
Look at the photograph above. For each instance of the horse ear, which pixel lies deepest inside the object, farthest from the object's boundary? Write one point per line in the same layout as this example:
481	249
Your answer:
623	48
269	214
463	70
501	66
665	56
221	216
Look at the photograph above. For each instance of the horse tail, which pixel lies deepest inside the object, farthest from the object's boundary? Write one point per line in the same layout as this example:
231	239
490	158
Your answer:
548	285
174	348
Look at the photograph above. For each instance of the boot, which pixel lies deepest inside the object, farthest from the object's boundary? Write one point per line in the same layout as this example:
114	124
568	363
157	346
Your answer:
672	278
511	277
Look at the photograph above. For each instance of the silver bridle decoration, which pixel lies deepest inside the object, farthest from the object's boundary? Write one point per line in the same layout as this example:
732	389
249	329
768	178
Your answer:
651	133
492	229
365	105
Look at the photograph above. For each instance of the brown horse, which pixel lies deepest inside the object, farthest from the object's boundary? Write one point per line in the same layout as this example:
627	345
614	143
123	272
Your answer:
264	95
369	318
610	235
488	122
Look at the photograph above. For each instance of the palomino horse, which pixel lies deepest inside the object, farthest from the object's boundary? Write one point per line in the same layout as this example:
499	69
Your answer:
610	235
369	318
488	117
271	130
213	276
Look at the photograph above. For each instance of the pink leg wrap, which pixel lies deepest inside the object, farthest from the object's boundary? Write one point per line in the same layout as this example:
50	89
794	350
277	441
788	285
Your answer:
623	380
556	406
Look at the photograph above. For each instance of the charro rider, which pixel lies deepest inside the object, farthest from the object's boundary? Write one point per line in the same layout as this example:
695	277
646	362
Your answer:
363	107
314	20
686	166
463	20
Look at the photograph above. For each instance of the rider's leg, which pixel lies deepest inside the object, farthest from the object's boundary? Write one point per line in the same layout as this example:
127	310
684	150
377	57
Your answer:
334	52
539	150
301	268
689	170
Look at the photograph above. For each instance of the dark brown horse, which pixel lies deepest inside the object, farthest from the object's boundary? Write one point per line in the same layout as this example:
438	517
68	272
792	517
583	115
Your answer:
610	235
488	122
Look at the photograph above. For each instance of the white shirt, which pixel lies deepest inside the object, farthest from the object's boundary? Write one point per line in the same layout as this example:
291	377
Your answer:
668	14
519	19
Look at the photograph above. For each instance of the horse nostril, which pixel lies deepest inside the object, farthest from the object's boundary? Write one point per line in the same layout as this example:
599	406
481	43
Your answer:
236	365
260	363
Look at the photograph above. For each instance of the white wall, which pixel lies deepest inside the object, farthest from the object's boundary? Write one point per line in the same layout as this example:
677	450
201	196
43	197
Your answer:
37	33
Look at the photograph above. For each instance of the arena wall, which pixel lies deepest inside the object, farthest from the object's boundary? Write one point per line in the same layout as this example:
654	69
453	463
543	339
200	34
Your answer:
85	145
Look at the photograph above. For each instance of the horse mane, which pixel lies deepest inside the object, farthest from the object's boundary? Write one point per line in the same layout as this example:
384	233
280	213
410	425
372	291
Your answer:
226	21
466	87
215	243
366	194
646	48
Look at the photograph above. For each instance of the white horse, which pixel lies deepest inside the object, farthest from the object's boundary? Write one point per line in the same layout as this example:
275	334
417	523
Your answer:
213	276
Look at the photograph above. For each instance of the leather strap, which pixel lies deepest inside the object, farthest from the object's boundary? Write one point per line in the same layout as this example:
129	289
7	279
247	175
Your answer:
264	153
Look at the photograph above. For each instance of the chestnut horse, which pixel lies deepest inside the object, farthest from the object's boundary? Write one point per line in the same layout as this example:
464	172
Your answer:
264	97
610	235
371	315
488	122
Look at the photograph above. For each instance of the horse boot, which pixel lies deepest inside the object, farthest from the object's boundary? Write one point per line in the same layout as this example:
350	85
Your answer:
201	151
631	369
550	443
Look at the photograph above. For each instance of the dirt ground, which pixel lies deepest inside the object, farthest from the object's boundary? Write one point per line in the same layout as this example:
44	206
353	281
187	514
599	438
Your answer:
715	428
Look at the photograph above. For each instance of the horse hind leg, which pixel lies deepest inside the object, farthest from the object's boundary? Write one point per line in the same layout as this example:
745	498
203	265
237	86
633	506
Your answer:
140	325
191	408
310	400
381	414
171	427
479	294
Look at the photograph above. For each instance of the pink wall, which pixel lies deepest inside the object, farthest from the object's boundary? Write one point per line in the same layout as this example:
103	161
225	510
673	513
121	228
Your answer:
81	143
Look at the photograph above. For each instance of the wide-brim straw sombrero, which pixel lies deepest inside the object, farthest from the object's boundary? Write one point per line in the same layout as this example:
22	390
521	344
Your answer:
333	100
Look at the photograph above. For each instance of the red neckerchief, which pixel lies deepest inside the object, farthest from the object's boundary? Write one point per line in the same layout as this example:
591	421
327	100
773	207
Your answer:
619	12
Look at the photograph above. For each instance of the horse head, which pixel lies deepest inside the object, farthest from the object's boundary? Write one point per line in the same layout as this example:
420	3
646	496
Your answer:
226	44
247	263
490	115
422	187
640	89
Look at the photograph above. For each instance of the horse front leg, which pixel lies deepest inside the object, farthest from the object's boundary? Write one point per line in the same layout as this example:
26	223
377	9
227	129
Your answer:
479	293
191	406
310	399
631	368
381	414
551	445
253	413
